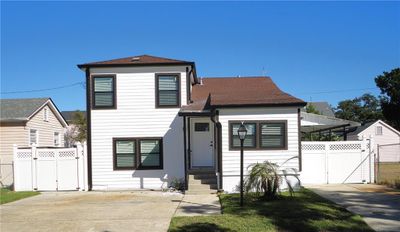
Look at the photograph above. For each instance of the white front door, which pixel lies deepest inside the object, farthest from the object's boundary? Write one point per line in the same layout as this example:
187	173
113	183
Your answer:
202	142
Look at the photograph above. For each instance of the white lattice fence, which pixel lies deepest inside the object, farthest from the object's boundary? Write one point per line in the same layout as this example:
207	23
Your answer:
337	162
50	169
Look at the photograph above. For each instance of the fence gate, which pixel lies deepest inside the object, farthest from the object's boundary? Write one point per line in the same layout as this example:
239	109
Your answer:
387	163
50	169
337	162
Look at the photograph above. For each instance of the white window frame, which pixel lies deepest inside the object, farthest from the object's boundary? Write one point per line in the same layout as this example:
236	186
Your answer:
45	114
377	132
58	136
37	137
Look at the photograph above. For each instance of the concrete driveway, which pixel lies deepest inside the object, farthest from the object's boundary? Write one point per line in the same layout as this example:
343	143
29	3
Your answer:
91	211
380	206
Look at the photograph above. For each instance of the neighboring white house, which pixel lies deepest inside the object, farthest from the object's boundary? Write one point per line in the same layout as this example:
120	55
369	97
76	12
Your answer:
25	122
151	120
382	133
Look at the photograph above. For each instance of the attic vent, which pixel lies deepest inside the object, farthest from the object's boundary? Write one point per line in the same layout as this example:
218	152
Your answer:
135	59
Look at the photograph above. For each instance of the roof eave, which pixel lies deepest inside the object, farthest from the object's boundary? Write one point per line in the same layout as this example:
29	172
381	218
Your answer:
298	104
83	66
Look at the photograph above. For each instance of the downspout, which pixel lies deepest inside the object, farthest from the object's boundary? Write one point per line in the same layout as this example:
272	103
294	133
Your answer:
185	151
217	135
89	128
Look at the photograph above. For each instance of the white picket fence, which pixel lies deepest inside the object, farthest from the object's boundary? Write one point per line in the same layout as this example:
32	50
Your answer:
50	169
337	162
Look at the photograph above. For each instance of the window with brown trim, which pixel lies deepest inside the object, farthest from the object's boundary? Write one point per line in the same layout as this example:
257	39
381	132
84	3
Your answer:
250	140
273	135
137	153
103	92
167	90
261	135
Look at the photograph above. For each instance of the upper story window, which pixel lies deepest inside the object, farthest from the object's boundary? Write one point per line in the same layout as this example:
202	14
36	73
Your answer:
261	135
167	90
46	115
104	92
378	130
33	137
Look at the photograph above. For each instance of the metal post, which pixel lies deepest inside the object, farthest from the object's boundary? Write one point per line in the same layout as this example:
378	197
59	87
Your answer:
377	171
241	173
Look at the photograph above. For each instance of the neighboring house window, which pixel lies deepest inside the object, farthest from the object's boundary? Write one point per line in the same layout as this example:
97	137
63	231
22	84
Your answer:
249	141
137	153
167	90
378	130
104	92
46	114
33	136
272	135
56	139
261	135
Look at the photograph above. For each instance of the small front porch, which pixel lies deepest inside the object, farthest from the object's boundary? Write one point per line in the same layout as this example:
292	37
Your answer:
202	152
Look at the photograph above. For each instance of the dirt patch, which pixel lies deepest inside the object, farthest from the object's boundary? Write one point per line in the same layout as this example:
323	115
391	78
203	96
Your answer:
376	189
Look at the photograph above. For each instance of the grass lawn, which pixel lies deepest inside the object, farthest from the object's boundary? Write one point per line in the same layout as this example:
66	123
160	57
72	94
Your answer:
389	174
306	211
7	195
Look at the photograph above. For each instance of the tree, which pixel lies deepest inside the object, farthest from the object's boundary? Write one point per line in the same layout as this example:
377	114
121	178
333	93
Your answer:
389	83
360	109
79	120
76	132
310	108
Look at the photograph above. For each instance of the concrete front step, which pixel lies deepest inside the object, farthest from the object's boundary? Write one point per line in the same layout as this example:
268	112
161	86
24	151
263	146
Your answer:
202	186
202	176
203	181
200	192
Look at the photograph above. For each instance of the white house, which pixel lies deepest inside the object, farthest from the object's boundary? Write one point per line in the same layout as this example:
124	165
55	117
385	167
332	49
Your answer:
382	134
151	120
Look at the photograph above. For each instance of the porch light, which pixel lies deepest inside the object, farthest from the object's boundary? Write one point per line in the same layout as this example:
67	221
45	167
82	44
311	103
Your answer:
242	132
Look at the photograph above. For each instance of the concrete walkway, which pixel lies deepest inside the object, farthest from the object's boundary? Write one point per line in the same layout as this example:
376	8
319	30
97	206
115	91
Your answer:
91	211
197	205
379	206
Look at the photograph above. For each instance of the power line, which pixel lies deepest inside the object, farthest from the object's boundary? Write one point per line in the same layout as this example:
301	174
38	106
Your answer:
42	90
339	91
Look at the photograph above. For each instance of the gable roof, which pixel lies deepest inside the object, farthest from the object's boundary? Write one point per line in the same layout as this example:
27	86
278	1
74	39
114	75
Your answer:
238	91
141	60
23	109
20	109
362	128
322	107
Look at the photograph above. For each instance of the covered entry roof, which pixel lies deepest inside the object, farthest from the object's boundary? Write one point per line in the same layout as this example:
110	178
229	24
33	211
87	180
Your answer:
238	91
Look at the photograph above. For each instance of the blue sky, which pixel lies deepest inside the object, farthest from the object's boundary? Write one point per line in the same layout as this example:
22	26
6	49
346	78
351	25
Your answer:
308	48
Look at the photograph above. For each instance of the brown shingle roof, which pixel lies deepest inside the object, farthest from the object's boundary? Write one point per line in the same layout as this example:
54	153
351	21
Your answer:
238	91
136	60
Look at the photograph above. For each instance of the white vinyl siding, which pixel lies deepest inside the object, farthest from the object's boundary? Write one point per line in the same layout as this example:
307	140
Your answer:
136	115
231	158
